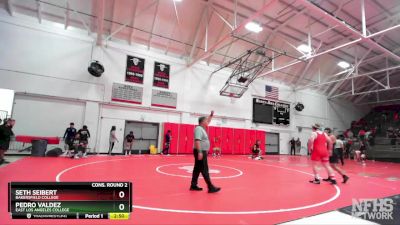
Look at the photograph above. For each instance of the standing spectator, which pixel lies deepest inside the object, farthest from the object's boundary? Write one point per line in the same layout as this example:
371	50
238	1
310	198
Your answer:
384	117
168	138
351	134
84	136
348	146
5	138
335	156
339	147
361	134
69	136
298	145
129	143
292	146
113	139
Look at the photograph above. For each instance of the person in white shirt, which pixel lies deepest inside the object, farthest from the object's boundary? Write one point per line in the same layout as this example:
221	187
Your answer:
113	139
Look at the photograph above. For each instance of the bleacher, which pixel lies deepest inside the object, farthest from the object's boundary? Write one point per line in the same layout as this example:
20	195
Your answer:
385	145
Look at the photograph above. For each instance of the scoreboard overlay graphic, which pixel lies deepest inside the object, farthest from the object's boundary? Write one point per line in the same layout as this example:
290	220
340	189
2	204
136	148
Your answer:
70	200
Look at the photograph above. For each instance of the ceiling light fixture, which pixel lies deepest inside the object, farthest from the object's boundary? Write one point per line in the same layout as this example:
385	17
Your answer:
343	64
304	48
253	27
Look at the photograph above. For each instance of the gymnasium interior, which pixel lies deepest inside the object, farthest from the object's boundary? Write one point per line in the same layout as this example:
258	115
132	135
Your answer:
107	101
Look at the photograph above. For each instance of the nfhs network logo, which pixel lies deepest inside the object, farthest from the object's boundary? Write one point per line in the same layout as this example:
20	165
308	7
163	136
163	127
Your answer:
373	209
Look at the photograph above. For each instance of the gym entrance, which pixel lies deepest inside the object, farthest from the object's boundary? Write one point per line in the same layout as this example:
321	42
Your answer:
146	134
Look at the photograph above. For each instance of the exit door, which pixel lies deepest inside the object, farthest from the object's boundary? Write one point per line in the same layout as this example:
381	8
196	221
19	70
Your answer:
272	143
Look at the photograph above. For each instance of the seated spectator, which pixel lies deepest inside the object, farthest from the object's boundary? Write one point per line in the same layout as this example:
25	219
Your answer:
217	147
79	147
391	134
256	151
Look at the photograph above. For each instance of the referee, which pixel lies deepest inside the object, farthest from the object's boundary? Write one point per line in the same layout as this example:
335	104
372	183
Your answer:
200	151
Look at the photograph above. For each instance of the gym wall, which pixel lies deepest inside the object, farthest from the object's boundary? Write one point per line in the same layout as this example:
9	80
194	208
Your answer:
51	65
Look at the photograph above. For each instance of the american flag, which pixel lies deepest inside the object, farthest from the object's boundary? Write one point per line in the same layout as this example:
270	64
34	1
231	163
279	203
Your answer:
271	92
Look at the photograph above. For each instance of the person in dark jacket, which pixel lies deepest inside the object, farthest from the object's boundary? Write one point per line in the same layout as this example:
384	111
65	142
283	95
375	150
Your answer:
69	137
5	138
84	136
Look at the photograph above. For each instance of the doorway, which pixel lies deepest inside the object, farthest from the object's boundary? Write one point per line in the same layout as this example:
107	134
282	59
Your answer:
272	144
146	134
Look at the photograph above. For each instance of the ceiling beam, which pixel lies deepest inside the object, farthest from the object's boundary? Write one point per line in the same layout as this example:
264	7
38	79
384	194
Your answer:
227	36
348	78
374	58
346	92
339	84
10	7
322	53
112	18
67	15
196	36
177	25
376	102
295	62
120	28
314	8
153	24
377	82
39	10
305	70
223	18
82	21
360	98
100	21
357	66
171	36
133	21
221	32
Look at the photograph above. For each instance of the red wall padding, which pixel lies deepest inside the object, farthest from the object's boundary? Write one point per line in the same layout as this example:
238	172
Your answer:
186	136
232	141
238	147
228	140
249	141
261	135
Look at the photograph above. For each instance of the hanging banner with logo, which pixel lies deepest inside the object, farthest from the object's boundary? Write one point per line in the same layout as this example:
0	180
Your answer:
164	99
134	69
127	93
161	75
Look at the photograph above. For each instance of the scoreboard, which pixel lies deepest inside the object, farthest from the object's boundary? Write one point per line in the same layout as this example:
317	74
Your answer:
271	112
70	200
282	113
